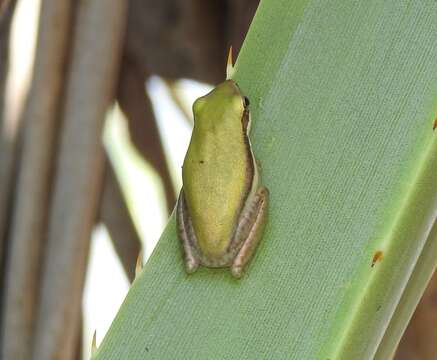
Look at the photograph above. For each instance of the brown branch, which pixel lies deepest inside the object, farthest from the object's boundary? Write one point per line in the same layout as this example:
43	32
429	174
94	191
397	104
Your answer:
143	129
8	138
176	96
97	47
8	146
29	218
420	339
4	6
6	14
114	213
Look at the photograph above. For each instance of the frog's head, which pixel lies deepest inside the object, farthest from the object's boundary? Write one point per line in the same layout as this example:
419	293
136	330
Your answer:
224	103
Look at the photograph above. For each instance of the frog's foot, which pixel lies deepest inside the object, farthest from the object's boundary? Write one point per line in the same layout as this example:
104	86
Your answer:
191	265
250	231
187	235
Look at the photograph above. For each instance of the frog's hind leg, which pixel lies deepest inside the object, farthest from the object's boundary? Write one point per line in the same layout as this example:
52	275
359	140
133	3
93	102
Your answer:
250	228
187	235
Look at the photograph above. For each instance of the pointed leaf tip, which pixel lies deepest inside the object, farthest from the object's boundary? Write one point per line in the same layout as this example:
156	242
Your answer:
139	264
229	65
94	343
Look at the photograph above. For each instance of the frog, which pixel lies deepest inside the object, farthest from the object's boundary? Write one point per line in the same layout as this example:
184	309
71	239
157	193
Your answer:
222	207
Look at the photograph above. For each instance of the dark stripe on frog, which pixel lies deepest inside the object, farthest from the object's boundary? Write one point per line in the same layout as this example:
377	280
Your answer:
250	169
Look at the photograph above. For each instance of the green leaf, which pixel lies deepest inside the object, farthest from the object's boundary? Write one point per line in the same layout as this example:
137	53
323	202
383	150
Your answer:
343	98
425	267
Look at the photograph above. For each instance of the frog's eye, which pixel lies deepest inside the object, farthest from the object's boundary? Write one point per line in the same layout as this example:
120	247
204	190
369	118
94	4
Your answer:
246	101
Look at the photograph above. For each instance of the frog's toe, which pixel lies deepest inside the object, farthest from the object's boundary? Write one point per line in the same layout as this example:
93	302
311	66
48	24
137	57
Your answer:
237	271
191	266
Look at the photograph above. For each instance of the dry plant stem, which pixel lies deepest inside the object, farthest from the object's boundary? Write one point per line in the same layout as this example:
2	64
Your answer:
8	145
7	138
6	14
79	343
178	100
143	129
420	339
114	213
92	76
31	202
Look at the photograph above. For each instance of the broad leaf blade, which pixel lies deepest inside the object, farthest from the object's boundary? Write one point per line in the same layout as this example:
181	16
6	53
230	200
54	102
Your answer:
343	97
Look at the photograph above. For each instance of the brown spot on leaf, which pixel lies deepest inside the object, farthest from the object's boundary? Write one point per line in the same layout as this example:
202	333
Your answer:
377	256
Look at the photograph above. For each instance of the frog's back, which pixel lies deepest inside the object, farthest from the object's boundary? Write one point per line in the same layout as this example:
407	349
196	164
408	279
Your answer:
217	175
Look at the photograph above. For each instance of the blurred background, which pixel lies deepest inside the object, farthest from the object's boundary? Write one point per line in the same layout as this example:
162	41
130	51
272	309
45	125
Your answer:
95	119
75	76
